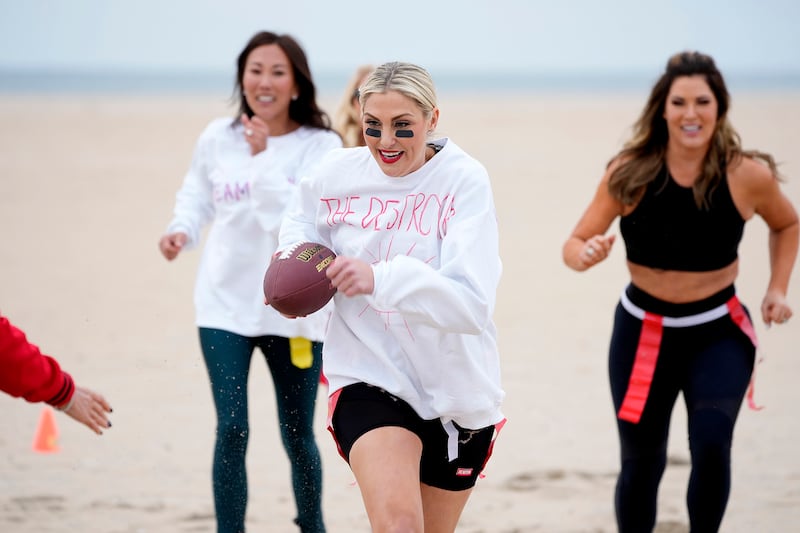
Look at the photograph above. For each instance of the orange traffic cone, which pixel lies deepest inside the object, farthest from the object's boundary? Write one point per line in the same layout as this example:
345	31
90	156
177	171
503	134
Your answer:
46	438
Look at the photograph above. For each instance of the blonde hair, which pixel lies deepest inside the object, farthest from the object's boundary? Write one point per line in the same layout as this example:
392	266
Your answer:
408	79
346	119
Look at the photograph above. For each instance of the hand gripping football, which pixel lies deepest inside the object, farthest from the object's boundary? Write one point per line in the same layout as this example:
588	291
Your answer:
295	283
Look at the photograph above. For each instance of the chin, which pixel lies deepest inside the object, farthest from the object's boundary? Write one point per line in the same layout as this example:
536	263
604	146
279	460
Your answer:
393	172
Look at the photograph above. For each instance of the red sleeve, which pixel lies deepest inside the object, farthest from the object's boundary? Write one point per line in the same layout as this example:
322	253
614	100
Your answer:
28	373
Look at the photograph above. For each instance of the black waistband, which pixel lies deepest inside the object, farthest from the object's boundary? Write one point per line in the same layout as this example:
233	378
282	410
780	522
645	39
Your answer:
660	307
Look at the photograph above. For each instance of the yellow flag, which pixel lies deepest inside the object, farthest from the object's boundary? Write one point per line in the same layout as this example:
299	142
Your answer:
300	351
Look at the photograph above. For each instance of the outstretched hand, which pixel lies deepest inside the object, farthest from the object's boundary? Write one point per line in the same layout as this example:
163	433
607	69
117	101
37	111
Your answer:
90	409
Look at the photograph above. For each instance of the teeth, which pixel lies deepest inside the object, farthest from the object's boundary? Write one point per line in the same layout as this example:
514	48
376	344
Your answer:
691	128
266	98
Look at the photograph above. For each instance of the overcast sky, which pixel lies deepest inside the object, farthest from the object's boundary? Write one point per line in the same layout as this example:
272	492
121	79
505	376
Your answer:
457	35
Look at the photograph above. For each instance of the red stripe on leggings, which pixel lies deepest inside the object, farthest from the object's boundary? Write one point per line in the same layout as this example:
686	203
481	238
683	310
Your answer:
741	319
644	366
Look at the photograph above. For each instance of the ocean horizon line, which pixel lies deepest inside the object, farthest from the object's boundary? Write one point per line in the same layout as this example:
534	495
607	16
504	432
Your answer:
28	81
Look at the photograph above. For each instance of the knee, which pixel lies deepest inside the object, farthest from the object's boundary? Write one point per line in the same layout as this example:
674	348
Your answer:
710	436
398	521
642	467
233	434
298	438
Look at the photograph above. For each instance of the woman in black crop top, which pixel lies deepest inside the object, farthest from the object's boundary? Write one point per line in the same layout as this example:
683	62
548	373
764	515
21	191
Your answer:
683	188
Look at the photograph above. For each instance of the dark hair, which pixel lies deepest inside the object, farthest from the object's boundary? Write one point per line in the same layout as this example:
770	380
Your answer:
304	110
643	156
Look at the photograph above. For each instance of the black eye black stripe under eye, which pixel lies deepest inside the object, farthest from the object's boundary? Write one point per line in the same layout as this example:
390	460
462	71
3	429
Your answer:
372	132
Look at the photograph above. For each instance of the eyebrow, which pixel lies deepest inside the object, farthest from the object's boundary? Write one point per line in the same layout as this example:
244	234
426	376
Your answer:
403	115
263	65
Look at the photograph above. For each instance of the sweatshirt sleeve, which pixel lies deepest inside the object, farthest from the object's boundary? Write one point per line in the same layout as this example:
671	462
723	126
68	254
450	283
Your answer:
460	295
194	203
26	372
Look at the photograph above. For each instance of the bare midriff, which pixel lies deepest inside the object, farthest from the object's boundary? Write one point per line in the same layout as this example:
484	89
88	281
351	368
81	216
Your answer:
677	286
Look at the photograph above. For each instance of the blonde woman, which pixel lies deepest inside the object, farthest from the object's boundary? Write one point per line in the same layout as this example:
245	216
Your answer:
410	353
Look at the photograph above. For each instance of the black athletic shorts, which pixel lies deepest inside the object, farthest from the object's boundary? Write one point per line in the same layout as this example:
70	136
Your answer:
452	457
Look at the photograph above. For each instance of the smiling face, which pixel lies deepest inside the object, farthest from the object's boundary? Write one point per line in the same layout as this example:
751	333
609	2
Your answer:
268	84
690	112
388	113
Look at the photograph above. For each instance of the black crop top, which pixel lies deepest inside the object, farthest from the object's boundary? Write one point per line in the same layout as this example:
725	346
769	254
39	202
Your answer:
668	231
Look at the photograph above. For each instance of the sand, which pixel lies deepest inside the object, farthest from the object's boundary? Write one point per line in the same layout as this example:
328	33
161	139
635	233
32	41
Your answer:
88	185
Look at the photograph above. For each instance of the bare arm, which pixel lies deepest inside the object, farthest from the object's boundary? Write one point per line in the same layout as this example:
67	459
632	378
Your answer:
758	192
588	244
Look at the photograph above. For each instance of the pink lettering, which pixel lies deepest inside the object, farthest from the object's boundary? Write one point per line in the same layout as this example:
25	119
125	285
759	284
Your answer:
231	192
349	208
338	209
376	209
416	213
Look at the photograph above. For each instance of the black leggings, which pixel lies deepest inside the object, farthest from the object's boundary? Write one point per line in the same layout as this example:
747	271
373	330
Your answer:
711	365
227	357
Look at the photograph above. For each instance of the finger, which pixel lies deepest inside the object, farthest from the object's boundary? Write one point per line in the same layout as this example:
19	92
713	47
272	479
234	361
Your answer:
335	272
782	316
102	402
87	418
333	269
259	125
248	126
590	253
103	422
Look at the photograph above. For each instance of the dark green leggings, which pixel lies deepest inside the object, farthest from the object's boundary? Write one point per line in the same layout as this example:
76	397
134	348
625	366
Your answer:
227	357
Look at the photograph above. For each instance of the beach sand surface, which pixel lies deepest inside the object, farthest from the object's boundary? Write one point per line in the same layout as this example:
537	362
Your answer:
88	185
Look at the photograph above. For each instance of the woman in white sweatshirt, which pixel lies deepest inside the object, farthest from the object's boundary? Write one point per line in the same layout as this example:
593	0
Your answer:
241	178
410	353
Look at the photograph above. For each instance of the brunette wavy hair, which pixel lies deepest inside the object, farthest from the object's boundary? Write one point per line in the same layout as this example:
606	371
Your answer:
304	110
642	158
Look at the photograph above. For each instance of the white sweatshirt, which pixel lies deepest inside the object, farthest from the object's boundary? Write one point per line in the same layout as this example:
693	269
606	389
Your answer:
426	333
244	197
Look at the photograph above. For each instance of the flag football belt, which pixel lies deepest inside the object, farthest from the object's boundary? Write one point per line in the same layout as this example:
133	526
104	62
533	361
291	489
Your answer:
644	364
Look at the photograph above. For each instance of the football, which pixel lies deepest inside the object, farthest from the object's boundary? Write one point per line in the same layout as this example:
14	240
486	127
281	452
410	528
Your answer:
295	283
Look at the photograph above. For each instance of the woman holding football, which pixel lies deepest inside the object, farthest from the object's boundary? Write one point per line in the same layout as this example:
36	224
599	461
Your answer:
410	353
